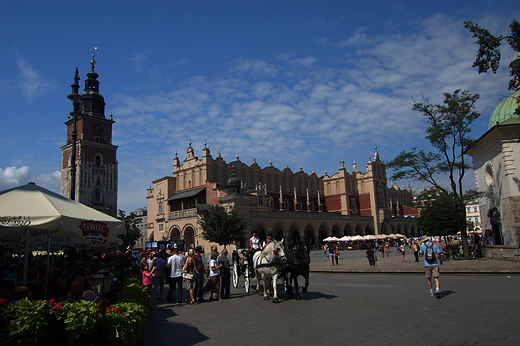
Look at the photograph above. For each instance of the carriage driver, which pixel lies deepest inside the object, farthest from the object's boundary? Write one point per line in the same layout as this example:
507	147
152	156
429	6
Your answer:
254	241
254	246
268	240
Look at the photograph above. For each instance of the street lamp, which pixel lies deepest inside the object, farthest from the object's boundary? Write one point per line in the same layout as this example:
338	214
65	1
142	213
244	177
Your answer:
74	97
102	282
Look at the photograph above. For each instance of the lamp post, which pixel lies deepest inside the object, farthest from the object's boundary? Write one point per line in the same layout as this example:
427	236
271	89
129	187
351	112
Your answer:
74	97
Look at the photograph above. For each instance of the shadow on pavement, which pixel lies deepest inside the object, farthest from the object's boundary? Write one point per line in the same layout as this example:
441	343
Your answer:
182	334
316	295
446	293
185	335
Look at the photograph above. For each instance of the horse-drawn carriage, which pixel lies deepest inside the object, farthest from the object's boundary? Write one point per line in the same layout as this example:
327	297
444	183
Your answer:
270	264
242	265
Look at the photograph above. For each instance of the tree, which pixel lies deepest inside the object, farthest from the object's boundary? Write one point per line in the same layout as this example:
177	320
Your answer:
425	197
448	133
437	218
221	226
132	232
488	56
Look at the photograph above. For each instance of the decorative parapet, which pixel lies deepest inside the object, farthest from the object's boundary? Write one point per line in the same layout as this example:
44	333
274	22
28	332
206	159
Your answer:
179	214
305	215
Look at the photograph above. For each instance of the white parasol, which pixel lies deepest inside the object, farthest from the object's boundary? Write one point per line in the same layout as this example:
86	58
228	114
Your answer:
31	212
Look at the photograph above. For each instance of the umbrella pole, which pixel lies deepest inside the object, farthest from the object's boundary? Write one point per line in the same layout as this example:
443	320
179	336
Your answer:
47	269
26	257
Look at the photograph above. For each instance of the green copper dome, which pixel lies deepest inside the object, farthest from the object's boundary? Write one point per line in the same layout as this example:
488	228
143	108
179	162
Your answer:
504	113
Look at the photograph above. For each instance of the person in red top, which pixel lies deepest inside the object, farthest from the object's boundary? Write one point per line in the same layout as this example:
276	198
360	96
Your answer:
148	283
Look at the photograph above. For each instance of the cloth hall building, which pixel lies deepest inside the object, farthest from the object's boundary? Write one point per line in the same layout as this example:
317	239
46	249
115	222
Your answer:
293	206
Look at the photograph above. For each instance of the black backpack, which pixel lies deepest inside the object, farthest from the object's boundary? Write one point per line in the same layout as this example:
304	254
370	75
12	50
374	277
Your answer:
430	254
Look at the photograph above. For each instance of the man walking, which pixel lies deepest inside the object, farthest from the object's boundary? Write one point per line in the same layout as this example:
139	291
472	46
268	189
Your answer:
432	258
176	263
371	256
225	275
159	263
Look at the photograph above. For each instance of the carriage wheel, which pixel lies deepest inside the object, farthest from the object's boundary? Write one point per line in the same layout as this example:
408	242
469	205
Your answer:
247	280
236	275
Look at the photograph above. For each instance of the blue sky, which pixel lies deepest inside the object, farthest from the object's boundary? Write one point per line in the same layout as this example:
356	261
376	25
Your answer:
305	83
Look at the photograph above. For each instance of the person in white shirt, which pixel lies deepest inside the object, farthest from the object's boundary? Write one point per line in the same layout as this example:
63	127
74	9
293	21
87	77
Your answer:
213	284
254	241
176	263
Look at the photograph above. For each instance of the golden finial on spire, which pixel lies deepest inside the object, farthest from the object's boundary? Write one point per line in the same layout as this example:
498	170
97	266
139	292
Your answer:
93	62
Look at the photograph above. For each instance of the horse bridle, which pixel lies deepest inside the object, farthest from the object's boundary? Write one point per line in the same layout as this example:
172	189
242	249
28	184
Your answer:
271	263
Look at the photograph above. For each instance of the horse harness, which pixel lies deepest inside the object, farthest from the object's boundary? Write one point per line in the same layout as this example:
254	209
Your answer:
269	263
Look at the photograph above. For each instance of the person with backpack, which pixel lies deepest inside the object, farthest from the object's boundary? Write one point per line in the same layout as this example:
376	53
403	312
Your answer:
432	258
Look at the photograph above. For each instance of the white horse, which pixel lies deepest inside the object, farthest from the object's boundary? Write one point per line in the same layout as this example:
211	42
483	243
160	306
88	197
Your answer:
267	264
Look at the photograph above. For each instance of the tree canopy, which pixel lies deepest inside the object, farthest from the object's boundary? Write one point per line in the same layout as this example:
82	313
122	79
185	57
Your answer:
449	134
132	232
438	219
222	226
488	56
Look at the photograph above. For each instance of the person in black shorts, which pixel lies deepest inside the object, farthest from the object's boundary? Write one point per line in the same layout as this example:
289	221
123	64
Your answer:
371	256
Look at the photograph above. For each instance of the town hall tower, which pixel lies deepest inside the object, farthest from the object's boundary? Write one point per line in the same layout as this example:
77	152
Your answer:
95	171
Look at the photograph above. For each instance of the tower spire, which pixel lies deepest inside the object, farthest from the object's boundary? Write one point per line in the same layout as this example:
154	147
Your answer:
92	102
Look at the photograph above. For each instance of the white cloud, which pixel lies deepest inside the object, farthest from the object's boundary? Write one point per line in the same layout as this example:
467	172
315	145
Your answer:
254	67
301	112
13	176
49	181
30	83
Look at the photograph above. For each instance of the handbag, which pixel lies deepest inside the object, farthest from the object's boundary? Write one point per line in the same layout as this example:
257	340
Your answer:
188	276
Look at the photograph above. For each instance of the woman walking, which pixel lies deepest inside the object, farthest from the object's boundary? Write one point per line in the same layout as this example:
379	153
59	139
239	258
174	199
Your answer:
330	253
190	271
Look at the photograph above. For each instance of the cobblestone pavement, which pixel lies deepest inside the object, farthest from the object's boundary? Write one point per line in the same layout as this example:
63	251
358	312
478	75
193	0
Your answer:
344	308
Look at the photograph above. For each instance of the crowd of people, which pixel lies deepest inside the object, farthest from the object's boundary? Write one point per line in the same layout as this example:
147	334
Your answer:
68	277
191	271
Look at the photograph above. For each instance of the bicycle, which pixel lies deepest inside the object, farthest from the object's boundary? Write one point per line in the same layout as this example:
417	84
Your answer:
456	253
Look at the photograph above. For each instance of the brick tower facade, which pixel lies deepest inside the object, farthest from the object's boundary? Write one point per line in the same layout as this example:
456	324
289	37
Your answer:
96	162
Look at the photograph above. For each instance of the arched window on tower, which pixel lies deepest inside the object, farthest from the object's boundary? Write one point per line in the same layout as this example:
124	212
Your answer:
97	195
98	160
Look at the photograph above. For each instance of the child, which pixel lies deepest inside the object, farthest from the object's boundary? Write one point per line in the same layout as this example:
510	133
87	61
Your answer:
148	283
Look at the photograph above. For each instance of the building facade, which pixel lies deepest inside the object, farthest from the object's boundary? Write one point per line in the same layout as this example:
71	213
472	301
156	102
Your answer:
294	206
496	157
96	162
142	224
473	216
